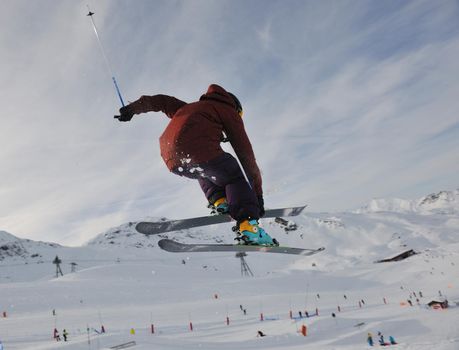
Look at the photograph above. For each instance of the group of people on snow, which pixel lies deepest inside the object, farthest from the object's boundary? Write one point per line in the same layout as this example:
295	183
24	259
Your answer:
57	337
381	340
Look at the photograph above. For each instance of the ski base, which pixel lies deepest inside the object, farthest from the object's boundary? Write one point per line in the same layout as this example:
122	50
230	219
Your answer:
154	228
176	247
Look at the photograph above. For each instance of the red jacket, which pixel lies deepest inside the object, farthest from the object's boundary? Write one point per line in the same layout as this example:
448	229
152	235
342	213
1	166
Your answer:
195	130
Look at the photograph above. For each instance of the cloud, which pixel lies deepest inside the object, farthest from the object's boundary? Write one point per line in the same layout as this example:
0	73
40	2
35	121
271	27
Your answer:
342	104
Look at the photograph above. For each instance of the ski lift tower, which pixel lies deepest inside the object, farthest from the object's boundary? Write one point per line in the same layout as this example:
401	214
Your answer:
58	262
245	269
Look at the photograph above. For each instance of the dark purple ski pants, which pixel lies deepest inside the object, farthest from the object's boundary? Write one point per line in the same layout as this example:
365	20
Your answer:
223	177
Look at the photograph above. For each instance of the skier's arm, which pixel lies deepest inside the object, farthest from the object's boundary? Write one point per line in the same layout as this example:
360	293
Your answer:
241	144
157	103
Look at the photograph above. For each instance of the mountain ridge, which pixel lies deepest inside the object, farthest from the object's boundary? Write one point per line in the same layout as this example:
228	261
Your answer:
443	202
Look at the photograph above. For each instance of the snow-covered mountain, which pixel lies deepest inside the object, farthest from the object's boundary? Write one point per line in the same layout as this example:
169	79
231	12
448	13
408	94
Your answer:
444	202
122	280
383	228
12	247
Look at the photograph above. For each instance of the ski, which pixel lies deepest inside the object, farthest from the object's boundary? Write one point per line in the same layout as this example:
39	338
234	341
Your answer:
154	228
176	247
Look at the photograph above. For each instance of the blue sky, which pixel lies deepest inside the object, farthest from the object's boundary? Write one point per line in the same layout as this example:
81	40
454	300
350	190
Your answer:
344	101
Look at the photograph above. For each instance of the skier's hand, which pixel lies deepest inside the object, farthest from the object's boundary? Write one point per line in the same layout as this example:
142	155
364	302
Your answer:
125	114
261	205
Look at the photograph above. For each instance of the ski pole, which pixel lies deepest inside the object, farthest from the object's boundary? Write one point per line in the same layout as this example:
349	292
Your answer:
107	63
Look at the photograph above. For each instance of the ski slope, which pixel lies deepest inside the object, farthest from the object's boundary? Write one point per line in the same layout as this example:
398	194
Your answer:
123	281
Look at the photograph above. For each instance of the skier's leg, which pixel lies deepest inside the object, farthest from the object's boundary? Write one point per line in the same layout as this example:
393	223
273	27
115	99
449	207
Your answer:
243	203
223	175
215	195
242	200
224	172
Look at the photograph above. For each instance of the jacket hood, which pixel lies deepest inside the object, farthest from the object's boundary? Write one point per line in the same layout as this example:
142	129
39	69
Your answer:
217	93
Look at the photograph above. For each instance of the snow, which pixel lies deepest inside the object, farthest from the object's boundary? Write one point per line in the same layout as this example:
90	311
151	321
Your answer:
124	281
444	202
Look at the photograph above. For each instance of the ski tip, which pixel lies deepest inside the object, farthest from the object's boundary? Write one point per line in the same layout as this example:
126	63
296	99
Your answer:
298	210
162	242
142	227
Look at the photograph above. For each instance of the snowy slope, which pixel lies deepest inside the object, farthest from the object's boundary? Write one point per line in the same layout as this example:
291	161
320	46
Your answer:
123	281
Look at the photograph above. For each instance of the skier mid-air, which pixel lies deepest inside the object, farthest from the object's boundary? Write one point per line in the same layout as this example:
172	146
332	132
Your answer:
190	147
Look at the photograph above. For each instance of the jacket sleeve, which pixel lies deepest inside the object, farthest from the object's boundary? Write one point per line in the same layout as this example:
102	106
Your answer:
238	138
157	103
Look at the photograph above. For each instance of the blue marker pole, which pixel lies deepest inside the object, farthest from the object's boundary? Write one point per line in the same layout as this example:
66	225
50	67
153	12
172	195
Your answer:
107	63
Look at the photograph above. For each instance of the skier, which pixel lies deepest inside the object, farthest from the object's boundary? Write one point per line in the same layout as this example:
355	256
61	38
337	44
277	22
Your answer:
260	334
381	339
190	147
392	340
65	334
56	335
370	339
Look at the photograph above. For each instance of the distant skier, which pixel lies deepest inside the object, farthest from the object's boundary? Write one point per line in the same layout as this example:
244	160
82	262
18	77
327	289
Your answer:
65	334
56	335
260	334
190	147
381	339
370	339
392	340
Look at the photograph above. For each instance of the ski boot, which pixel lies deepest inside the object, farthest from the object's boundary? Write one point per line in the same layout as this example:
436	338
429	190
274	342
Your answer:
220	206
249	232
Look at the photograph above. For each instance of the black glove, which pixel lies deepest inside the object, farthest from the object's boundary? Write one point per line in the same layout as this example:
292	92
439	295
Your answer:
261	205
125	114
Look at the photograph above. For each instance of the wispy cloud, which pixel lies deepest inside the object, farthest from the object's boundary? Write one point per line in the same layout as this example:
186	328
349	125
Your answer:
342	103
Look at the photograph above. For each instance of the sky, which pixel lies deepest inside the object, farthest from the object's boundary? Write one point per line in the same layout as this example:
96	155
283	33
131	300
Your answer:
344	101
